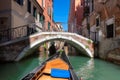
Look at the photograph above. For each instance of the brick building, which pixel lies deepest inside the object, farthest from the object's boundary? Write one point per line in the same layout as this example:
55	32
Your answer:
104	26
47	6
99	20
75	16
75	20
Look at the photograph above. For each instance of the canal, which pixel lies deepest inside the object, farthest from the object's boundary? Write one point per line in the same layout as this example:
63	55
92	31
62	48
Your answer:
88	69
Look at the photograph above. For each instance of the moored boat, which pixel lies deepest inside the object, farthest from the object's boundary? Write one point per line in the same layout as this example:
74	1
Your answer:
57	67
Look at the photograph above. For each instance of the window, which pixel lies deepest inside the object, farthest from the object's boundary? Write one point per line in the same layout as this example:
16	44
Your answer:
87	7
97	21
29	6
35	12
92	5
43	3
49	11
41	18
110	31
4	35
48	25
52	13
3	22
87	2
20	2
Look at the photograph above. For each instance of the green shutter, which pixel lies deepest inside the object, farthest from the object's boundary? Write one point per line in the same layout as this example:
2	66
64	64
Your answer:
48	25
35	12
41	19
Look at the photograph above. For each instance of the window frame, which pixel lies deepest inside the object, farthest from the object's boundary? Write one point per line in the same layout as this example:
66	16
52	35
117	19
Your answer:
109	22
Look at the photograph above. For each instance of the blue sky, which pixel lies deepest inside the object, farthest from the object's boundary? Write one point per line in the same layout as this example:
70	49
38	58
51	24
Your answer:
61	12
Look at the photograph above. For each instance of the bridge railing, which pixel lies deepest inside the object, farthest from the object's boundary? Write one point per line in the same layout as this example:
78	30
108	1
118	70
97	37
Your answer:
15	33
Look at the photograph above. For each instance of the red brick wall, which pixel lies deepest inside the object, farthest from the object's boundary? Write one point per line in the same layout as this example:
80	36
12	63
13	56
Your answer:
75	14
108	10
71	14
48	3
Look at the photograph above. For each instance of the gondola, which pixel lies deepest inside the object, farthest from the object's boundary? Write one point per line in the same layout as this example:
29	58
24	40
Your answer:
57	67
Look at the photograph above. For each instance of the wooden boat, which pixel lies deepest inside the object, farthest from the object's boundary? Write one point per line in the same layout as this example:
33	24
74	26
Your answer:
57	67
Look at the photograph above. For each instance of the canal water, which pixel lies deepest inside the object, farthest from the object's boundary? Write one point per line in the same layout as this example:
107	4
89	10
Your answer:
88	69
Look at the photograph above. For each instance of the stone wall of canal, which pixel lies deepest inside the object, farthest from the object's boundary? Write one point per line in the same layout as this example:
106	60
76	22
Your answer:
109	50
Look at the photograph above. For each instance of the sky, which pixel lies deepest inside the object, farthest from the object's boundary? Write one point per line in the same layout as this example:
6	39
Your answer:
61	12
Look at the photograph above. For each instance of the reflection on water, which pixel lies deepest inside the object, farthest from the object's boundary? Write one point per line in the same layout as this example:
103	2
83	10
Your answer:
86	70
41	59
16	70
95	69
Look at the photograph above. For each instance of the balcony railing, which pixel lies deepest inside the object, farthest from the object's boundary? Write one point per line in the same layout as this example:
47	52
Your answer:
15	33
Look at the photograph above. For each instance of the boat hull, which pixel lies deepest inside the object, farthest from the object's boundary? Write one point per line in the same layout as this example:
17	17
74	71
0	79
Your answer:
57	67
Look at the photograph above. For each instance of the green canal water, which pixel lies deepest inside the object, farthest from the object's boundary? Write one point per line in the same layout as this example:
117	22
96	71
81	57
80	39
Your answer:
88	69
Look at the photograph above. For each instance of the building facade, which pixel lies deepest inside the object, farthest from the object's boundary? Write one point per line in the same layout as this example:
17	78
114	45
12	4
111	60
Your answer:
99	20
47	6
19	18
59	26
75	16
20	12
103	27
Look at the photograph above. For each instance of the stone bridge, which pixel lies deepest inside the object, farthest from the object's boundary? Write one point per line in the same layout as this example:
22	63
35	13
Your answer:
24	46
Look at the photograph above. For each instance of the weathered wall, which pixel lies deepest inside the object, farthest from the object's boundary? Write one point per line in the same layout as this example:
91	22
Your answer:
108	47
75	15
10	52
5	14
114	56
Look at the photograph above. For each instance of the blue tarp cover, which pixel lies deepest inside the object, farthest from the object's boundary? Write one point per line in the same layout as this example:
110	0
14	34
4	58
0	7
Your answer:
59	73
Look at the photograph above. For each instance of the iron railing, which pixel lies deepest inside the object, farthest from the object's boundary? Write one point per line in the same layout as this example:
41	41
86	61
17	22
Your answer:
15	33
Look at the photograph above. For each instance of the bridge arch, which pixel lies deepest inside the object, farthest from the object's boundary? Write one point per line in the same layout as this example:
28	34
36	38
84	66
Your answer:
50	36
